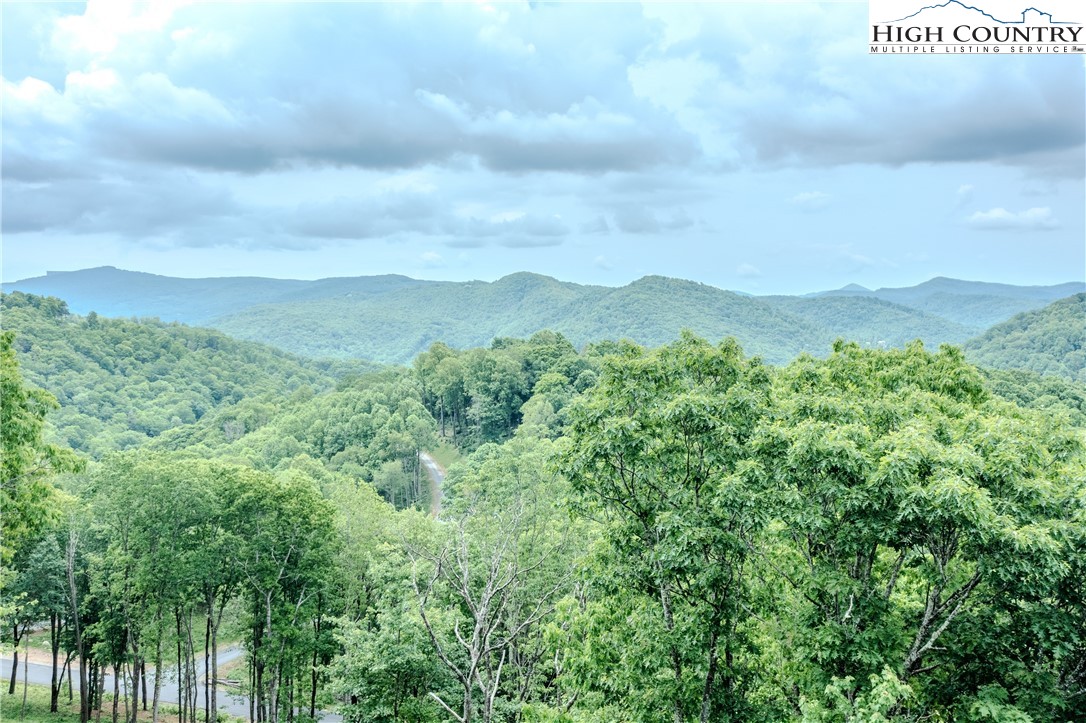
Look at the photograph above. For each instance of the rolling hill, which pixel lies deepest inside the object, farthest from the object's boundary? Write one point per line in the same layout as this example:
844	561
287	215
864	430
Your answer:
121	382
974	304
392	318
1050	341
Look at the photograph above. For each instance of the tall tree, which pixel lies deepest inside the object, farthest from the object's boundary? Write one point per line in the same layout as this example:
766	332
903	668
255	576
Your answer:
26	460
659	453
908	497
490	576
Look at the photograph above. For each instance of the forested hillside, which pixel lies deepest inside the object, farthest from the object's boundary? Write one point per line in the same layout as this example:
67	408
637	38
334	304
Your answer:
878	535
1051	340
121	382
393	327
882	534
872	321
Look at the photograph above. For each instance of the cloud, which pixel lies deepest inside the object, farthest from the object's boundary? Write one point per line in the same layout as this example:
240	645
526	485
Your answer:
432	260
964	195
636	220
221	123
364	217
393	87
748	271
810	201
597	225
813	97
640	220
1000	219
134	207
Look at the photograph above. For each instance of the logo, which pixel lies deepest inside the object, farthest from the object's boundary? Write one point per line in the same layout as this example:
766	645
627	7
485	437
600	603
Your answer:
1015	27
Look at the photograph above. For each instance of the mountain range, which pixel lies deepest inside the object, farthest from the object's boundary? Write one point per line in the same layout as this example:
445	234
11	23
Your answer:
392	318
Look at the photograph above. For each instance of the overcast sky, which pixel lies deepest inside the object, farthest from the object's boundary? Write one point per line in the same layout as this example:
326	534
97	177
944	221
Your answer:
749	146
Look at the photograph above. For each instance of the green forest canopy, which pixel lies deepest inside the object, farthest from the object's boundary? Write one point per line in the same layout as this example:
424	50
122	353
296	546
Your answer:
679	533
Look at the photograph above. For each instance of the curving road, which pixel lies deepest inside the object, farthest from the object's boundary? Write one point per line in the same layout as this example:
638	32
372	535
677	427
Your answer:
436	474
229	700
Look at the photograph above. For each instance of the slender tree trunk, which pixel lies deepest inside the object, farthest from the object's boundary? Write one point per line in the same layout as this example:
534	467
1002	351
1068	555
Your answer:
54	647
180	698
273	679
207	668
676	660
65	668
101	678
15	639
26	672
252	688
192	689
122	673
99	674
116	692
84	707
158	671
313	669
215	658
135	671
313	688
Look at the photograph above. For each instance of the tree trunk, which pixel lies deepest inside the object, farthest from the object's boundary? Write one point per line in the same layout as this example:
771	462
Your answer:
215	660
54	647
135	669
101	687
676	660
84	708
180	698
273	679
26	671
192	689
158	671
15	660
116	692
207	668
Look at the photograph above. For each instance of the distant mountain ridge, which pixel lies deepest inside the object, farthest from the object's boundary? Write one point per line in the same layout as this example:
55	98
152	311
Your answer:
114	292
392	318
973	304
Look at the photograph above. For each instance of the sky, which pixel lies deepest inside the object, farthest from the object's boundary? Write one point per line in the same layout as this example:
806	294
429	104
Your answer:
751	146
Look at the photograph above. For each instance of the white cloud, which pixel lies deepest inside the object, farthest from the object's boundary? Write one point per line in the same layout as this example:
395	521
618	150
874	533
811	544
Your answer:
1000	219
748	271
810	201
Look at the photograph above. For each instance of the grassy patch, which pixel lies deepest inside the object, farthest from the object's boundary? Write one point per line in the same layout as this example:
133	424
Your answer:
445	454
37	708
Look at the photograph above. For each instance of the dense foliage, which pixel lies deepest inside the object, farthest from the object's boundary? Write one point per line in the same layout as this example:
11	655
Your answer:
120	382
874	322
27	460
1051	340
676	534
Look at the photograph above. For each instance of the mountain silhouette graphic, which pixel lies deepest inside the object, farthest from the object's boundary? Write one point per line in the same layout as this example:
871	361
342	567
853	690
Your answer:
949	3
